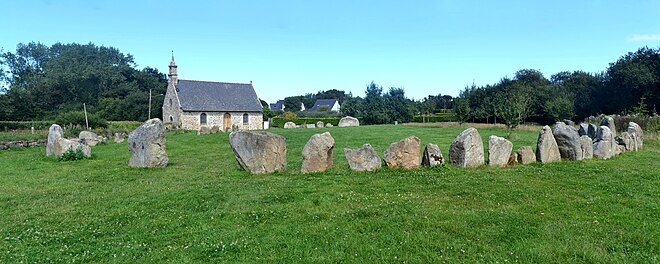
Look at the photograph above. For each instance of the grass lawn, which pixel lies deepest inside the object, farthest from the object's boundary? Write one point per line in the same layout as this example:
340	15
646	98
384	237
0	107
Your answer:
204	208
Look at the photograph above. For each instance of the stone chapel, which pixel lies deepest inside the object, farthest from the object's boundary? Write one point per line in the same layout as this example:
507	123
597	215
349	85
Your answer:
192	105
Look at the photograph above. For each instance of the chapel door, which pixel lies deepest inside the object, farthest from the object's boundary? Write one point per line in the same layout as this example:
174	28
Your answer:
226	122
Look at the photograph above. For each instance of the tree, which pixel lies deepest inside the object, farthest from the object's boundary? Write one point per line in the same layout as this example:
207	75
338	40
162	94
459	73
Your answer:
374	105
292	103
398	106
353	106
633	76
461	109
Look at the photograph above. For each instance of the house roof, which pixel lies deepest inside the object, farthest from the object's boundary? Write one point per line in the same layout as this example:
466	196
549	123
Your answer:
277	106
323	102
217	96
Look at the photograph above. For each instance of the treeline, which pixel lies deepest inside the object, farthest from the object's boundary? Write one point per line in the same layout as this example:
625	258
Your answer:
41	83
376	107
631	85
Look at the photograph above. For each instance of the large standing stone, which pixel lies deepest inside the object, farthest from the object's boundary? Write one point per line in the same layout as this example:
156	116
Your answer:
568	141
626	141
588	130
317	153
363	159
147	145
259	152
637	134
89	138
587	147
55	132
526	155
319	124
349	121
467	150
546	147
604	143
403	154
57	145
290	125
609	122
432	156
499	151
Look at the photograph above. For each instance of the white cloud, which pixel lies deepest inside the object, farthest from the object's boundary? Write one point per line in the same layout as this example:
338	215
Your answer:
646	37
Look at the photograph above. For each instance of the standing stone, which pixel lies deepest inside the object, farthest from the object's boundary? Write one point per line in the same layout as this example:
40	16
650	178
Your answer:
588	130
349	121
609	122
403	154
499	151
467	150
604	142
587	147
311	126
57	145
147	145
319	124
259	152
119	137
204	130
89	138
627	141
568	141
637	134
526	155
55	132
63	145
289	125
432	156
546	147
513	159
363	159
317	153
328	125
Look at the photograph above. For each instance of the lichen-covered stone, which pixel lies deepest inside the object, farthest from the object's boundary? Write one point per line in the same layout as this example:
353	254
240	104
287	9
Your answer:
349	121
432	156
568	141
587	147
317	153
546	147
526	155
290	125
637	134
363	159
604	145
147	145
90	138
403	154
467	150
499	151
259	152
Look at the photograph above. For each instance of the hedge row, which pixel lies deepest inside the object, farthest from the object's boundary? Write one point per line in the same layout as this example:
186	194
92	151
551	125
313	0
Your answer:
448	117
24	125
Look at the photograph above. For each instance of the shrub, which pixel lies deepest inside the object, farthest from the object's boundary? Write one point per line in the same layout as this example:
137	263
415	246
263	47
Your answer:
289	115
72	154
77	118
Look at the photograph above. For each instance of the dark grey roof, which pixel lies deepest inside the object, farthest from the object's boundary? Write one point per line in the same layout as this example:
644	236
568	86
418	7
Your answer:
277	106
217	96
323	102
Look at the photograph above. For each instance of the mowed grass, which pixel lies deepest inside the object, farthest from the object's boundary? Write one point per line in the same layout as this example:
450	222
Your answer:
204	208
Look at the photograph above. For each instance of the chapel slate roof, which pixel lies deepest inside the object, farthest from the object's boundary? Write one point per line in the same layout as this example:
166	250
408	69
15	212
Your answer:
217	96
323	102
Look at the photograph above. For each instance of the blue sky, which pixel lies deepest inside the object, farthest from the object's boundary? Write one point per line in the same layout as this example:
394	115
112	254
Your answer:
295	47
